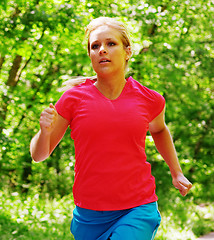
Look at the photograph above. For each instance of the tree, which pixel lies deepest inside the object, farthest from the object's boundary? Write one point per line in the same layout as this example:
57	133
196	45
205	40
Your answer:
42	44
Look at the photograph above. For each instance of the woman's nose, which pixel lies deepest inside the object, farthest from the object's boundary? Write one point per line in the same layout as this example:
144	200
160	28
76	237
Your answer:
102	49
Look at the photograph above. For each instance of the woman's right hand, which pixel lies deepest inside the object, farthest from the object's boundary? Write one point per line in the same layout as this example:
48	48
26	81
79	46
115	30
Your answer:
52	129
48	119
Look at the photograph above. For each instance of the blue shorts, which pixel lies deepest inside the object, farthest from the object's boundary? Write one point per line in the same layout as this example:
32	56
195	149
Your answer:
139	223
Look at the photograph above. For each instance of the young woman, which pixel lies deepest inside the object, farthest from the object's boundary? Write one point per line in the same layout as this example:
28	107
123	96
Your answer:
109	117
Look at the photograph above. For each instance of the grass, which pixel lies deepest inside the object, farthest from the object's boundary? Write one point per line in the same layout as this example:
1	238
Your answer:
33	218
183	219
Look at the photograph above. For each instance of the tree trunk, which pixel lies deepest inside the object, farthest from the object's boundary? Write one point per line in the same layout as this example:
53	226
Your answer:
1	62
13	76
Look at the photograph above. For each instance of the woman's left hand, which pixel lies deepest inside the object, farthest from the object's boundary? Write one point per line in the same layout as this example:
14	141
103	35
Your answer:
182	184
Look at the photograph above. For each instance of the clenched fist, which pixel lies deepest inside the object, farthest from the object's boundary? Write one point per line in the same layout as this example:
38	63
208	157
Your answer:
182	184
48	119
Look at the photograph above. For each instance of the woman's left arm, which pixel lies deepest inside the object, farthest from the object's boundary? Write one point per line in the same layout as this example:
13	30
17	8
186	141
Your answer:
165	146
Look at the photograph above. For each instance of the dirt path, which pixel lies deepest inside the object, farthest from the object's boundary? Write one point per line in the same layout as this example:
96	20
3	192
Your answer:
209	236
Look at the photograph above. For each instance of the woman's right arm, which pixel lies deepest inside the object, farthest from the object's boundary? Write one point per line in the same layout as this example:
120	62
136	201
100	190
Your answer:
52	129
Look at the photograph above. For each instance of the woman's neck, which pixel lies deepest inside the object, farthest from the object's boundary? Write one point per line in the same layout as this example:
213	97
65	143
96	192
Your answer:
110	87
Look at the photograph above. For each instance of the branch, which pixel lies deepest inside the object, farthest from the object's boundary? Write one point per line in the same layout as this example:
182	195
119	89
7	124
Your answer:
206	41
12	79
16	71
153	28
51	71
1	61
32	52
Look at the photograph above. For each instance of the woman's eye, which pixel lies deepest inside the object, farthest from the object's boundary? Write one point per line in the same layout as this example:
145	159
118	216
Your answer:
111	44
94	46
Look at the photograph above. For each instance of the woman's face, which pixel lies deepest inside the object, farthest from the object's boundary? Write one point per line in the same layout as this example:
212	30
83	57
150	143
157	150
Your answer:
107	52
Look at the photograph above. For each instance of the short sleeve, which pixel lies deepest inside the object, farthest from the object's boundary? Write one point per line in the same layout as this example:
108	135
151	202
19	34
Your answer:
65	105
68	103
152	101
156	105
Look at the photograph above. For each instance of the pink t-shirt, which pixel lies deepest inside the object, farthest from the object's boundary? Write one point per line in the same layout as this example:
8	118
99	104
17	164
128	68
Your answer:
111	171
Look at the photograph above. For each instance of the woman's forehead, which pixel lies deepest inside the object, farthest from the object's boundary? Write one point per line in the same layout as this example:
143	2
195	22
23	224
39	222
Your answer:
104	33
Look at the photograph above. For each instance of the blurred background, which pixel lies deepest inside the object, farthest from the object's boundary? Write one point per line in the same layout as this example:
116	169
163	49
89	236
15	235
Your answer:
42	44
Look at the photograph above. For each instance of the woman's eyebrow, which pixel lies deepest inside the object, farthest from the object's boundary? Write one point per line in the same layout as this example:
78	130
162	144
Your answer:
107	39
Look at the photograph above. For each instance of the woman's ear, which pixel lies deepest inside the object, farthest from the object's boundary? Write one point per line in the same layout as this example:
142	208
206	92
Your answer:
128	53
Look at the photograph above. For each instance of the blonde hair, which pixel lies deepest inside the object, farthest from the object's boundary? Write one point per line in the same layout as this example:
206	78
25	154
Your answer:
111	22
93	25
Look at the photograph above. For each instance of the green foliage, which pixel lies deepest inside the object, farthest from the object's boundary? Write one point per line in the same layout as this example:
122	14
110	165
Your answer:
34	218
42	44
182	219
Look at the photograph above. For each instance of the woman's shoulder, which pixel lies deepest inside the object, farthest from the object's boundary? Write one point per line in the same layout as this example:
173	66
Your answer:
78	90
72	97
140	88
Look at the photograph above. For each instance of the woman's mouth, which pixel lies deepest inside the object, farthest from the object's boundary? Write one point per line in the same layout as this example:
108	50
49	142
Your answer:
104	61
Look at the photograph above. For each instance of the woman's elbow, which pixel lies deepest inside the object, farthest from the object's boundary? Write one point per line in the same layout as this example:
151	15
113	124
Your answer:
37	156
